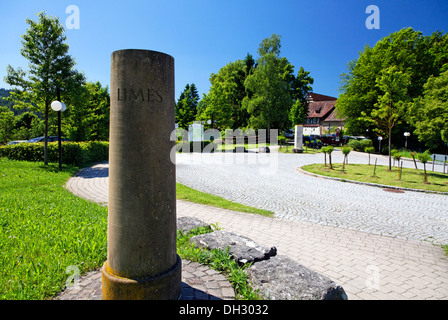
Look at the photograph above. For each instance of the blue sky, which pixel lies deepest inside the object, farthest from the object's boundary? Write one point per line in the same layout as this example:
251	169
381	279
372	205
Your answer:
204	35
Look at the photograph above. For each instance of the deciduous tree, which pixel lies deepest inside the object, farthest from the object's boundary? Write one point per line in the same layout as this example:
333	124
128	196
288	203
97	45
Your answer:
391	105
429	113
50	67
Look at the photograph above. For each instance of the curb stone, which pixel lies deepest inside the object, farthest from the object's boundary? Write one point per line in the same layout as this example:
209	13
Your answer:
302	171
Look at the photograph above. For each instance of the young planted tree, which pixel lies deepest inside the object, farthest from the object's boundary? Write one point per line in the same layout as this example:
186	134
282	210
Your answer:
397	156
413	154
369	150
51	68
329	151
345	152
424	158
324	150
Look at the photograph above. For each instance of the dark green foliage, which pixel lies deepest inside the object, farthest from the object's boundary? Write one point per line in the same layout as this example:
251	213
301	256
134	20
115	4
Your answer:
186	106
73	153
408	53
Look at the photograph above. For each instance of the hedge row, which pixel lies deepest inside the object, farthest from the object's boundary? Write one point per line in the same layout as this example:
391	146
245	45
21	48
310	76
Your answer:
73	153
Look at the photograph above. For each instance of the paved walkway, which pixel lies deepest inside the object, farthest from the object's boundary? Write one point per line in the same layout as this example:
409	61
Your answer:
198	283
368	263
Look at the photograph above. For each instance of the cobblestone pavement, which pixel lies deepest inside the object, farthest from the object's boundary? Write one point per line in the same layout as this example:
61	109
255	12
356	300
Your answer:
299	197
198	283
366	240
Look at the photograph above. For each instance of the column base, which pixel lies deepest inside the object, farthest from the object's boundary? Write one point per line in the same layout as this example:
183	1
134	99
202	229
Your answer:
166	286
297	150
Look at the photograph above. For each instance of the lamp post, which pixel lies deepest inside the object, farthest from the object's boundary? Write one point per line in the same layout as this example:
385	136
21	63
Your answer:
59	107
406	134
379	142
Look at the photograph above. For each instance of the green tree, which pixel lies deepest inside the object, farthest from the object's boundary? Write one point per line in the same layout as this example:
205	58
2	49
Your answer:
87	118
429	113
391	105
186	106
271	85
6	124
223	103
412	53
50	68
301	85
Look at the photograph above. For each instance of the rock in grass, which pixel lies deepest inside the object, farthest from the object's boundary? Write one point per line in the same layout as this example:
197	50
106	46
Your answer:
186	224
242	249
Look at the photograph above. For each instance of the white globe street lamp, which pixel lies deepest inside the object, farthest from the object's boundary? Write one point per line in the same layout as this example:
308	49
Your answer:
406	134
59	107
379	142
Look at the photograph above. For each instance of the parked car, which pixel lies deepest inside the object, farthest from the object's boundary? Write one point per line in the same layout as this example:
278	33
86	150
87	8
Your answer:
16	142
289	133
50	139
314	141
328	139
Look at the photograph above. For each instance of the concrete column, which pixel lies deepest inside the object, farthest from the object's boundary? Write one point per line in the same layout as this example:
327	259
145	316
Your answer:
298	139
142	262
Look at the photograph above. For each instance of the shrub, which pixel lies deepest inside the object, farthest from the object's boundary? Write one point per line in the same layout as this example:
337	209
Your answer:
365	143
73	153
360	145
355	145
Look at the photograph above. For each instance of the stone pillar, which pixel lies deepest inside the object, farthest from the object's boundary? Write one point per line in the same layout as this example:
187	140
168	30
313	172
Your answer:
298	139
142	262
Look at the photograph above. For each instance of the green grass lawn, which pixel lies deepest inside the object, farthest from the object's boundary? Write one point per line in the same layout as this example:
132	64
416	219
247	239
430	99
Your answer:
410	178
45	230
192	195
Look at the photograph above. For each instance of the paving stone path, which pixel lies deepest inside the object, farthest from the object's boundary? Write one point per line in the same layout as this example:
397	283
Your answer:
198	283
375	244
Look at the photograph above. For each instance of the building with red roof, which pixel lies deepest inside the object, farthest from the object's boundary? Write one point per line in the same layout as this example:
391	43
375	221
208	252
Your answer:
321	114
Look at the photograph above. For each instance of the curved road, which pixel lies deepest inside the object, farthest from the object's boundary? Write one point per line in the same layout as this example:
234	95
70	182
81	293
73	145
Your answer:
271	182
318	220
